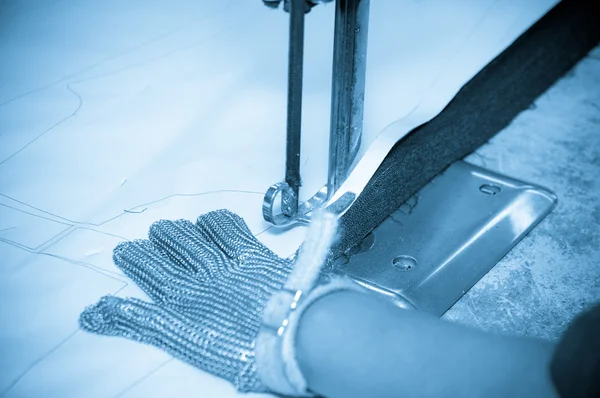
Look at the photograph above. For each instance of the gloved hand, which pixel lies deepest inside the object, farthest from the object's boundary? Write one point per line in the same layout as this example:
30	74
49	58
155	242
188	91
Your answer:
309	3
209	283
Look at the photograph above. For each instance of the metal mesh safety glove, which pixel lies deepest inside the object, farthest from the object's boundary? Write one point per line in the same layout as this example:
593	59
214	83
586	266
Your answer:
209	283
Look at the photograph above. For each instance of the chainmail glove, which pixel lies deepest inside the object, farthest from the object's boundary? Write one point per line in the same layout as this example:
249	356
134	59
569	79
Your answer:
209	283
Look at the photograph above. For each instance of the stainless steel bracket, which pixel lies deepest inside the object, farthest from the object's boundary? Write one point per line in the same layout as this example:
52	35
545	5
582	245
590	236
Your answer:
445	238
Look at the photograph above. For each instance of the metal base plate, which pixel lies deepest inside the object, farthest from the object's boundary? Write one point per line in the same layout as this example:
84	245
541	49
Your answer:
437	245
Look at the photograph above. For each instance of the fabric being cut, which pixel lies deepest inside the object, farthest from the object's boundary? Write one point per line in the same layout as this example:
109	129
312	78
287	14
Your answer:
209	283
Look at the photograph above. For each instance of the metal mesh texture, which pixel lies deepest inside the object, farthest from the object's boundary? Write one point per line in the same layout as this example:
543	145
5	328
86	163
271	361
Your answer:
209	283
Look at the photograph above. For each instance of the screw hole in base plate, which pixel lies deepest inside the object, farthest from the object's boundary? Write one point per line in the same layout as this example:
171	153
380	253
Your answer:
489	189
404	263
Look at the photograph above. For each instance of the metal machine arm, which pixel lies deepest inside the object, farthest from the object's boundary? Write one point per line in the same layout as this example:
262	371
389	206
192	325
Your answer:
347	104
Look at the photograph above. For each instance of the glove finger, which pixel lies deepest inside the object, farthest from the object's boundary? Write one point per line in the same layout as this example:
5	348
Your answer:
181	241
167	283
157	275
250	258
210	347
229	232
152	271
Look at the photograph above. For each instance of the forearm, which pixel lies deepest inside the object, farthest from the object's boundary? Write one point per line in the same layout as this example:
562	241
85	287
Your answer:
355	345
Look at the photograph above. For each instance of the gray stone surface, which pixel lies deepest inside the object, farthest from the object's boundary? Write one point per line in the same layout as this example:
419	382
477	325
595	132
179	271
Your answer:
553	273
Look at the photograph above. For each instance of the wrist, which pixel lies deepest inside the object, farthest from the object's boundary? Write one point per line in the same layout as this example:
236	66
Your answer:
276	346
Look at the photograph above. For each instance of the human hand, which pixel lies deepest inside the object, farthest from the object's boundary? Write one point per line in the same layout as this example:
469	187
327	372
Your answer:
209	282
219	298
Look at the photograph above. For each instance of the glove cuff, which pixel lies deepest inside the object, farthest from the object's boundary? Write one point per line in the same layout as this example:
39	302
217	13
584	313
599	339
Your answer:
276	361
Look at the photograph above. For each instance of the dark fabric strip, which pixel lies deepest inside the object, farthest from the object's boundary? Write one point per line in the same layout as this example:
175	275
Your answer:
483	107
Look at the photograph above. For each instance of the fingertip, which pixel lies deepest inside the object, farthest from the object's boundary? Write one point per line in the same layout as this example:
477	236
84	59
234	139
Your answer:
98	318
124	250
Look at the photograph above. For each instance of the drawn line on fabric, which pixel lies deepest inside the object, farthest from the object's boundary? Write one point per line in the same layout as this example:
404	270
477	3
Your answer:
55	125
136	212
133	209
36	362
137	382
41	245
101	232
460	47
31	214
481	158
443	72
62	232
159	57
116	55
109	274
41	249
120	289
81	225
39	360
83	263
109	73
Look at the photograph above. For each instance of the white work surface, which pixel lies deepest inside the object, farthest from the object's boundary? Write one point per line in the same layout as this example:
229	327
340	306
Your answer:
116	114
